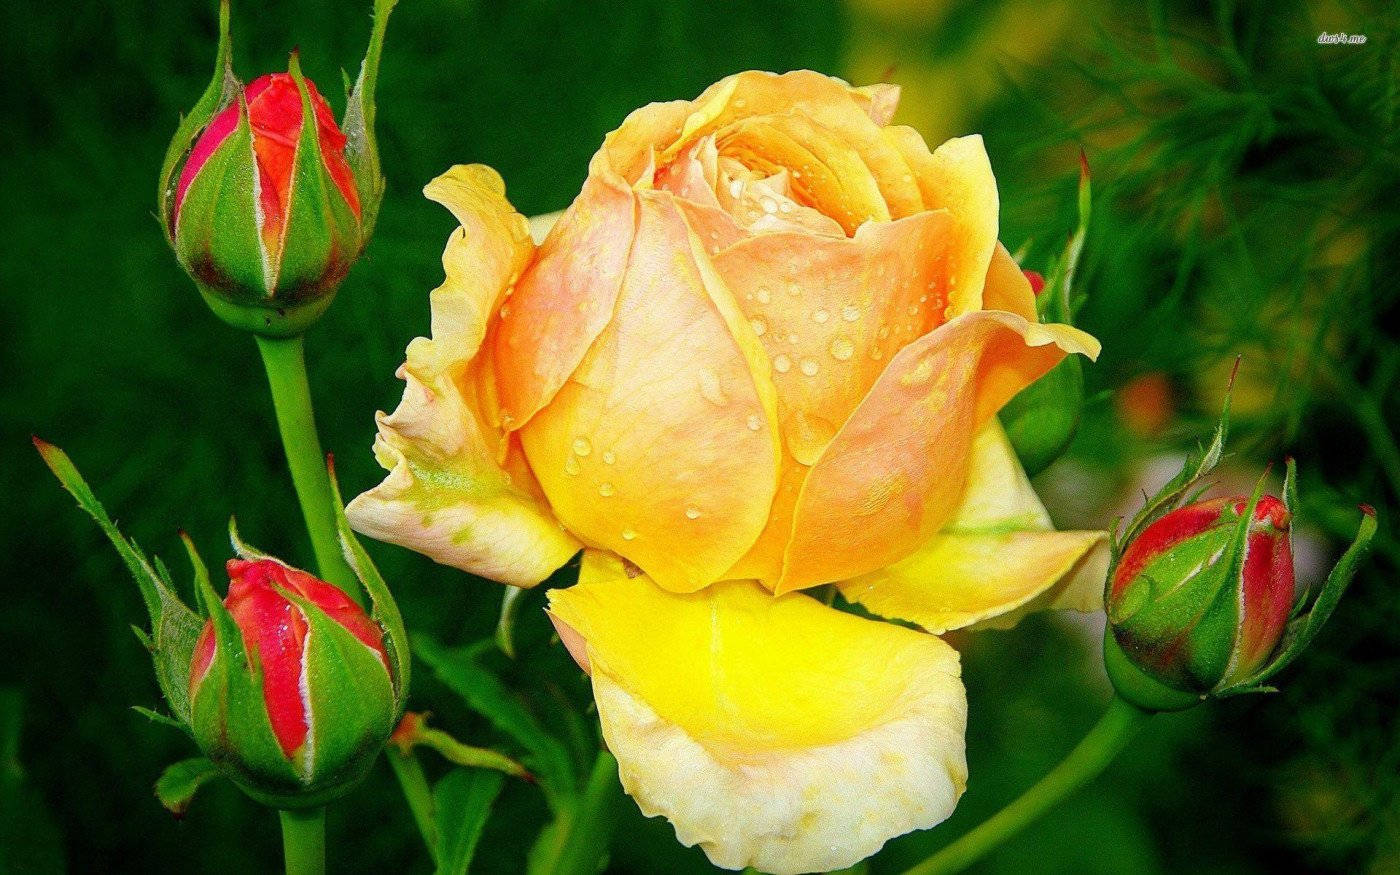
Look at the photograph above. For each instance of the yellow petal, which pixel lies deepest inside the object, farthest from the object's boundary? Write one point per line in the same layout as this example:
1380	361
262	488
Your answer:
1007	287
458	489
997	559
773	732
894	473
957	177
663	445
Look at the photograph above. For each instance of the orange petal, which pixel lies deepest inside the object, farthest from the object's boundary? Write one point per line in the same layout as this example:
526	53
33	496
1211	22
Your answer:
894	473
957	177
458	489
1007	287
663	446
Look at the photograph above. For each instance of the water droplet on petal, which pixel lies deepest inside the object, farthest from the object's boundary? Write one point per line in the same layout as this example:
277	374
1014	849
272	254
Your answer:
628	535
759	326
609	457
794	289
736	188
582	447
692	512
755	422
849	313
770	206
810	367
606	489
764	296
913	309
842	347
820	316
877	353
571	465
781	363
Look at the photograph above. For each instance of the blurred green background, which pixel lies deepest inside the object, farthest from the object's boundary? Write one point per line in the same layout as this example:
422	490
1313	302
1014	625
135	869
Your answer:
1247	201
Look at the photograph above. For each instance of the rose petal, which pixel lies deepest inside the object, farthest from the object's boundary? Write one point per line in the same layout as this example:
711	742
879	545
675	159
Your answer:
772	732
1008	288
663	445
895	471
996	560
957	177
457	489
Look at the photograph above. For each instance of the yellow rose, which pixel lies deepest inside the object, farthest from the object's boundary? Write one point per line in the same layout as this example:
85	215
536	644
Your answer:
762	351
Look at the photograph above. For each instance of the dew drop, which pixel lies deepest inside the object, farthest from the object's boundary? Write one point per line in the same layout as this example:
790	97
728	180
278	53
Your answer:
913	309
764	296
628	535
781	363
792	338
606	489
735	188
794	289
883	332
877	353
505	311
849	313
759	326
820	316
582	447
770	206
692	512
571	465
755	423
810	367
842	347
609	457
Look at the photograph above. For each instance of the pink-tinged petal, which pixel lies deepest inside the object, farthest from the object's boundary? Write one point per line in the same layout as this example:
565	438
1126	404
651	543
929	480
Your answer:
894	473
1008	288
662	446
957	177
996	560
458	489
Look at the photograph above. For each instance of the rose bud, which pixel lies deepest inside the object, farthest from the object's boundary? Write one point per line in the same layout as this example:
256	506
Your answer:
1196	606
266	200
290	687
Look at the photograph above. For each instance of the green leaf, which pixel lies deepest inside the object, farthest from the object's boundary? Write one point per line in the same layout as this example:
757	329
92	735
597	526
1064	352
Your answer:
462	801
180	781
219	94
505	626
174	627
459	669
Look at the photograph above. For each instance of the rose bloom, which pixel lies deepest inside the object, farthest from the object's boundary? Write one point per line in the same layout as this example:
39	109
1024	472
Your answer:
762	351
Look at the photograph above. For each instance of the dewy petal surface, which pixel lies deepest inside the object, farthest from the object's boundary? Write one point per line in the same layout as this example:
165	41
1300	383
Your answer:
894	473
772	732
458	489
663	445
997	559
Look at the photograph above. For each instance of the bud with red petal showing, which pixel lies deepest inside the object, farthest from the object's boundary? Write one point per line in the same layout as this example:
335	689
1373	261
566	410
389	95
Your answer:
291	689
266	200
1200	599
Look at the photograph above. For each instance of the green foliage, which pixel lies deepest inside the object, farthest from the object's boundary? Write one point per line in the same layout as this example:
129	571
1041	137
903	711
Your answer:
176	786
462	799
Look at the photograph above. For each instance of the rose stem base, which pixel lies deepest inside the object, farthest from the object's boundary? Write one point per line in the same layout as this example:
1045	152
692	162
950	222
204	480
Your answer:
304	841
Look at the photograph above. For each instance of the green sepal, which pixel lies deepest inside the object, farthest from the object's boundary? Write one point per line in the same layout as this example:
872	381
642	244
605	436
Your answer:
1042	419
505	625
1177	491
383	609
462	801
242	549
162	719
217	96
176	786
321	237
216	234
1138	687
1302	629
174	627
352	707
361	147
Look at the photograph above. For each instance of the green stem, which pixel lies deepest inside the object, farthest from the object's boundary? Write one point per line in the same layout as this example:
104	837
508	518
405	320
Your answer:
304	841
580	834
417	793
291	396
1097	749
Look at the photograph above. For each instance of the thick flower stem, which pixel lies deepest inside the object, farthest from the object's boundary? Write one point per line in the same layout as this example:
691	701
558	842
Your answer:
291	396
304	841
1097	749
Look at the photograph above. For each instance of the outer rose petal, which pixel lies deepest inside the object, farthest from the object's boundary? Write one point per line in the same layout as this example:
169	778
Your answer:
997	559
663	445
457	490
957	177
1008	288
893	475
772	732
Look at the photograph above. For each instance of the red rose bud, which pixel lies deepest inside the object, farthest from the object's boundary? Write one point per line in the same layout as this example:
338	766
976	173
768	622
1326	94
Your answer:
290	686
267	201
1036	280
1199	600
